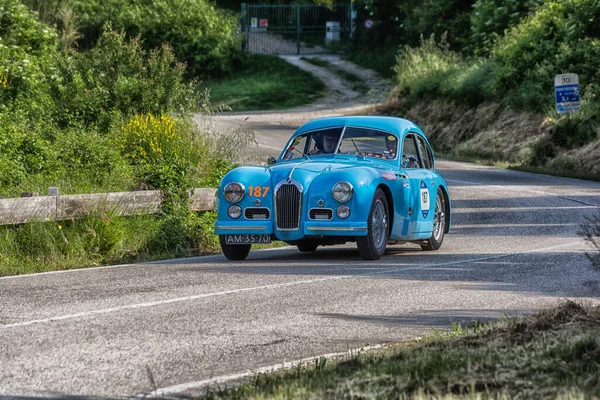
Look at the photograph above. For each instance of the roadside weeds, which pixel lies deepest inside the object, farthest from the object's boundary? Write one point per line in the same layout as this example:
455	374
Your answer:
552	354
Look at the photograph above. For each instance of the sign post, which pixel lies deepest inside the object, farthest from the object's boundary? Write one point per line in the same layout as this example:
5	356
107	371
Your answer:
566	93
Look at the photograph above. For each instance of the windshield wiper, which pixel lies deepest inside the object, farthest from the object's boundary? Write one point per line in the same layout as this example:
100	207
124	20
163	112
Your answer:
356	147
304	154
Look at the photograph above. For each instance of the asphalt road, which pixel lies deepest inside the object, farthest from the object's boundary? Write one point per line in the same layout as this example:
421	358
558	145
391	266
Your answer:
128	330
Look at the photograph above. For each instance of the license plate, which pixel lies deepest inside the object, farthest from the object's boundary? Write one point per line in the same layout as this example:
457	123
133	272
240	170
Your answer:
247	239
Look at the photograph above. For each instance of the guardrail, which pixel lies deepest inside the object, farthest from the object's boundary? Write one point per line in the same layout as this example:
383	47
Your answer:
61	207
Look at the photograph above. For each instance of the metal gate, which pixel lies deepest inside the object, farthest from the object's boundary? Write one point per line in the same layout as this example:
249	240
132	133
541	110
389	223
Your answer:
297	29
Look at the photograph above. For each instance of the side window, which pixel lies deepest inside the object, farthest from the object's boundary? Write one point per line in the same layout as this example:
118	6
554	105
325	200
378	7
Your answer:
410	154
425	152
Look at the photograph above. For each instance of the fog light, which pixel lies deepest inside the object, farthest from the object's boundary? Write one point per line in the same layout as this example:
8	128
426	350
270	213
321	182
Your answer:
343	211
234	212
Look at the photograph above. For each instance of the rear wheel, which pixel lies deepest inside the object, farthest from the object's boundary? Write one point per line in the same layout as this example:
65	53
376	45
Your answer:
236	252
372	246
439	224
306	245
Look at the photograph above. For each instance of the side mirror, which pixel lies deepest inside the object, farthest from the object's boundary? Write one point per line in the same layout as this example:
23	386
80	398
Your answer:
271	160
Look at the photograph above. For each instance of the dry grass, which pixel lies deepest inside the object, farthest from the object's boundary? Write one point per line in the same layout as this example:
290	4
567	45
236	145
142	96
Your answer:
493	134
553	354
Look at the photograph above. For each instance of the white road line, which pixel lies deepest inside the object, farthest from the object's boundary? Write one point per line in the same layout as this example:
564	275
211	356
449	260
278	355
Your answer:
139	264
270	147
278	285
519	189
175	389
163	302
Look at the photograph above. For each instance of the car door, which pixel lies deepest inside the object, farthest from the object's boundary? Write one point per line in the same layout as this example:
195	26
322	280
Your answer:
417	162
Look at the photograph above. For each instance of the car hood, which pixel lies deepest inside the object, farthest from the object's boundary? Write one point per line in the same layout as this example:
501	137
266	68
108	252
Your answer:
305	172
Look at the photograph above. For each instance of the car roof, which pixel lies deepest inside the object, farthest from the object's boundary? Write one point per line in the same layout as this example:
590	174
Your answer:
395	125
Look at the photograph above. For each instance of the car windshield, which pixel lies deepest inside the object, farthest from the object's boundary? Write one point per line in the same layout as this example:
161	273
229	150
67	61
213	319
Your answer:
355	141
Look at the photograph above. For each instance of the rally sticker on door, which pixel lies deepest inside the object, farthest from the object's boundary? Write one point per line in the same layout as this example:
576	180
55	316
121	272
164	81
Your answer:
424	199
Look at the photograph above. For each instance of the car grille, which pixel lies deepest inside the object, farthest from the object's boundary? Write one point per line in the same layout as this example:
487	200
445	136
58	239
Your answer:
257	213
288	203
320	213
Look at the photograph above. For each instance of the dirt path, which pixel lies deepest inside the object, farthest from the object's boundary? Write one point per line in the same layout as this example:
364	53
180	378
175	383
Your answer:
272	128
339	100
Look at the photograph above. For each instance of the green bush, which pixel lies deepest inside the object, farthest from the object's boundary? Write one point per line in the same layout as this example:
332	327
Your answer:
433	69
490	18
562	36
202	36
438	17
118	78
27	48
381	60
22	150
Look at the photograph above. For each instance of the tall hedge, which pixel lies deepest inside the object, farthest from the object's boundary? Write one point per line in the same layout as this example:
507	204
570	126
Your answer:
562	36
204	37
27	50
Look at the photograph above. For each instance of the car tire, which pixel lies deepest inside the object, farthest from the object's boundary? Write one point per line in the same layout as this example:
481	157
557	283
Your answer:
372	246
307	246
236	252
439	223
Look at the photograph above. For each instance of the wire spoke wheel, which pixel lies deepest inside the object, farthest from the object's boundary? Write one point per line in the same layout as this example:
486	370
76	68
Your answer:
439	223
372	246
379	224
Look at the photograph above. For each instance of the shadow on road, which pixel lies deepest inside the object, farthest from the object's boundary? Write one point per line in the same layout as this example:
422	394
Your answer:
439	319
557	274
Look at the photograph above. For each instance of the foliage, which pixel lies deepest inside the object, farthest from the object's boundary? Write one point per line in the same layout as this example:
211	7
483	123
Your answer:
202	36
382	60
60	15
561	36
118	78
404	23
438	17
490	18
26	55
432	69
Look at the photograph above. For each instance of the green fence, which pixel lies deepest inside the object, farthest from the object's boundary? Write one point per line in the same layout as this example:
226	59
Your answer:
297	28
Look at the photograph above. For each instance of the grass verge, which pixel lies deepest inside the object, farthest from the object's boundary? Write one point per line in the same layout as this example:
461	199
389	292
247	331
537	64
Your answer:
356	83
265	83
104	239
553	354
380	60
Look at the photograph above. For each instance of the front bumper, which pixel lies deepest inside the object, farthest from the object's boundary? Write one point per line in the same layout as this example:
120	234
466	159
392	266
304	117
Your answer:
307	228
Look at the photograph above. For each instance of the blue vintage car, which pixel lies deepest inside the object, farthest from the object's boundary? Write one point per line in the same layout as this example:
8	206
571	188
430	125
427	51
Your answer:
363	179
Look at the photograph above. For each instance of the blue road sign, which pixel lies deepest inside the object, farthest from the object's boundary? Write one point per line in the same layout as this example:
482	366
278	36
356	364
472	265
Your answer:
566	93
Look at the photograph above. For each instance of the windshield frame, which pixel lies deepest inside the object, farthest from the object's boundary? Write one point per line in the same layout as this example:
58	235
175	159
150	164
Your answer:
306	156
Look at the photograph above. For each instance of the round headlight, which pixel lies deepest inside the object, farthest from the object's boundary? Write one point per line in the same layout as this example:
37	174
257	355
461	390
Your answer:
233	192
234	211
342	191
343	211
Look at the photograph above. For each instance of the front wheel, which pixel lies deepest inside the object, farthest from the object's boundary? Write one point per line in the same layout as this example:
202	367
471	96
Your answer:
439	224
372	246
234	252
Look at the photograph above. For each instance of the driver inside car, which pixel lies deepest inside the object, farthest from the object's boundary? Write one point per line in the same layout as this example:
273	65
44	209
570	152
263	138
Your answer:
325	143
